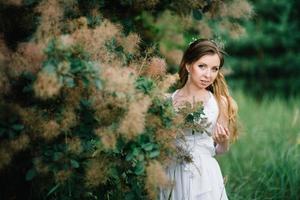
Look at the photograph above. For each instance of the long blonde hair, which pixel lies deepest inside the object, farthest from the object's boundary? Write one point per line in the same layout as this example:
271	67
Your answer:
219	88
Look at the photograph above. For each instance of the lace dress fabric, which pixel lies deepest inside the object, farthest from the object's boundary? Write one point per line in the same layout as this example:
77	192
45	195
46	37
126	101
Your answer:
201	179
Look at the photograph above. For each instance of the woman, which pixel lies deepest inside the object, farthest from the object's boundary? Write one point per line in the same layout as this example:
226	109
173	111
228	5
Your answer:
202	80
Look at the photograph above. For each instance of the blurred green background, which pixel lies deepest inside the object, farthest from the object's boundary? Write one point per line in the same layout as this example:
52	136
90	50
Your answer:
264	162
262	68
266	61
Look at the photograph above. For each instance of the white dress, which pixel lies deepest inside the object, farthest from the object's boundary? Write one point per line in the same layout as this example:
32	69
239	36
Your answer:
201	179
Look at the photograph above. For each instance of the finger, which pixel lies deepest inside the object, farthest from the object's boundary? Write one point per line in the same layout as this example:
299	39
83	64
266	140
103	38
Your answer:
219	129
218	132
226	137
223	134
227	131
215	131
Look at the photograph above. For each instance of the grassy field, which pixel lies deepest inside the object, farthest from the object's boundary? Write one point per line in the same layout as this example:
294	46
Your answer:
265	162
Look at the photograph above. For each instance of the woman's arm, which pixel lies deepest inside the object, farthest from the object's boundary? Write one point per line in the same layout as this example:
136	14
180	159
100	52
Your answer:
222	134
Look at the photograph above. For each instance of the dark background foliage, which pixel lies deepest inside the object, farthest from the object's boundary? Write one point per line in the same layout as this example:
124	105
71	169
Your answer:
266	61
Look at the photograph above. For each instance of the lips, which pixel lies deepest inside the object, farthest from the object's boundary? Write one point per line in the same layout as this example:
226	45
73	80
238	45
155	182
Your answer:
204	82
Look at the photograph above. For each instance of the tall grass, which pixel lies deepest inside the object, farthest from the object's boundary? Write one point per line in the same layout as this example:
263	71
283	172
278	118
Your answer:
265	162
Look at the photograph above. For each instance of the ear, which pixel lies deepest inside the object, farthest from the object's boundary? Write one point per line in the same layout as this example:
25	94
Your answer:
187	68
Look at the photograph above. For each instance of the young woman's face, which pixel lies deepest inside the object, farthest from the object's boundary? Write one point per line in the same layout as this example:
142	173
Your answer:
204	71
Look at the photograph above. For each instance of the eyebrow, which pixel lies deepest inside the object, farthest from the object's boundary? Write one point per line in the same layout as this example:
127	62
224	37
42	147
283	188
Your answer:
206	65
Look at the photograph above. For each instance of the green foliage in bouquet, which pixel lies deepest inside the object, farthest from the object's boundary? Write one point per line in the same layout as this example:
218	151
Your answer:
194	117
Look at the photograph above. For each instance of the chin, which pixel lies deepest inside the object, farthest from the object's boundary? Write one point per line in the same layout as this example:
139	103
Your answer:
202	87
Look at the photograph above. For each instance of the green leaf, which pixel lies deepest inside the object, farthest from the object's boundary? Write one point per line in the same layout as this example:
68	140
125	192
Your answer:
139	168
18	127
49	68
69	82
135	151
197	14
190	118
114	173
145	85
27	88
154	154
140	157
129	157
57	156
85	80
98	84
30	174
148	146
129	196
76	66
53	189
29	2
74	163
86	102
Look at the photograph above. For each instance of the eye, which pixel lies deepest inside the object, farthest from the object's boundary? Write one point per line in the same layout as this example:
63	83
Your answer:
201	66
215	69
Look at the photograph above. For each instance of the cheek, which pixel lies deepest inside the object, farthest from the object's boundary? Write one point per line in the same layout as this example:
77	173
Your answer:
197	71
214	75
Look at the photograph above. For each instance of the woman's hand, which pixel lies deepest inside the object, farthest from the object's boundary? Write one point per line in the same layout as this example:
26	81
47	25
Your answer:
221	134
221	137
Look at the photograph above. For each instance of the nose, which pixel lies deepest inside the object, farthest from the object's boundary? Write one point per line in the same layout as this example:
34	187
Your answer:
207	73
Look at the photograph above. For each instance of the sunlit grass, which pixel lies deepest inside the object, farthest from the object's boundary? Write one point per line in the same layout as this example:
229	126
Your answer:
265	162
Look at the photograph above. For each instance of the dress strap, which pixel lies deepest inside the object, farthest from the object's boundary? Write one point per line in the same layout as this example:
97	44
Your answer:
172	96
210	94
